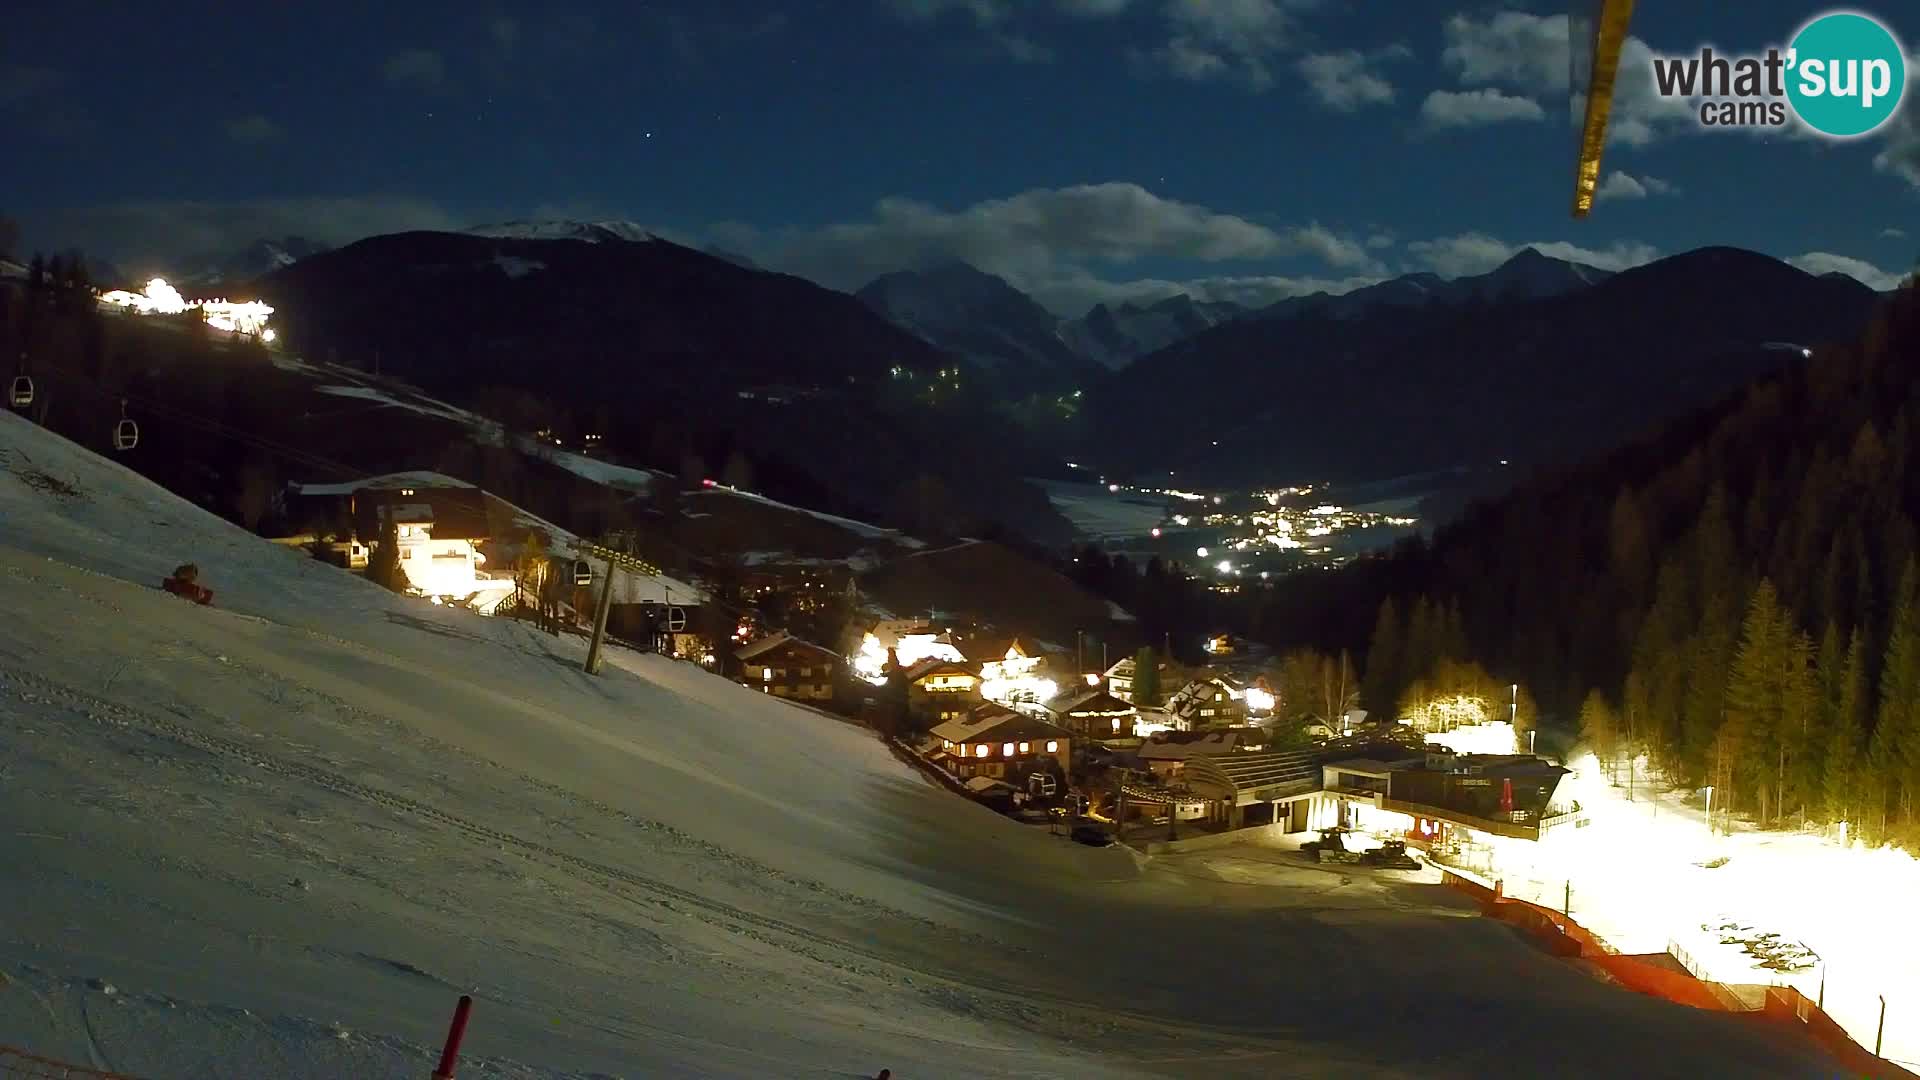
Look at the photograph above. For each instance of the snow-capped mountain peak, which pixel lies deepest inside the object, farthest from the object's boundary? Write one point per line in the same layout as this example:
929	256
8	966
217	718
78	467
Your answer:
593	232
1115	336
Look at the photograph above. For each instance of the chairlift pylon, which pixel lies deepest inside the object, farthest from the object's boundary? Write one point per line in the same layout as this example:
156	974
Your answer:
126	433
22	395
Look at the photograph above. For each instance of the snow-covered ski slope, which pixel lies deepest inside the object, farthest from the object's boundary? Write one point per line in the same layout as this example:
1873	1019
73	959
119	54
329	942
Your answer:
288	831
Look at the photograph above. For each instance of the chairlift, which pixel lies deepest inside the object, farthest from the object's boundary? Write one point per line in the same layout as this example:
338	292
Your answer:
582	572
126	433
22	391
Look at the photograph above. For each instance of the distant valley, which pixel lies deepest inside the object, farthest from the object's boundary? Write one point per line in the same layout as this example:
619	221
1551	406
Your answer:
853	403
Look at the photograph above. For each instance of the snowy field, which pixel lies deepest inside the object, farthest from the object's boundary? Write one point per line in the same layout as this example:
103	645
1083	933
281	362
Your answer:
1103	515
280	836
1641	879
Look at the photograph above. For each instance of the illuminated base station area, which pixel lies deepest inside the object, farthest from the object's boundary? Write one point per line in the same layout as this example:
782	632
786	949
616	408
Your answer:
1734	906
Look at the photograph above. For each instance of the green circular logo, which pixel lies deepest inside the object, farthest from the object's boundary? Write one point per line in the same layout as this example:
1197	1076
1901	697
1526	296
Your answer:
1846	74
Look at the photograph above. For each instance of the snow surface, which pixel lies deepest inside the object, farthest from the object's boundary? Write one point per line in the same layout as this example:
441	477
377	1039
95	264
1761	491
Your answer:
368	393
1640	880
592	232
387	482
620	477
279	836
1103	515
858	528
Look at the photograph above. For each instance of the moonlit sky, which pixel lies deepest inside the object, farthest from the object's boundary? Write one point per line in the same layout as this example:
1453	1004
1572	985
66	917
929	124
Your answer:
1085	149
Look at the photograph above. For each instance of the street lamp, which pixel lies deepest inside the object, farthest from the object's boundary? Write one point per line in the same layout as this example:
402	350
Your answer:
1709	809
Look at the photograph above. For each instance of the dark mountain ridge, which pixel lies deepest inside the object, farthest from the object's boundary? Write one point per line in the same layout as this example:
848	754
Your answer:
1533	378
681	349
979	316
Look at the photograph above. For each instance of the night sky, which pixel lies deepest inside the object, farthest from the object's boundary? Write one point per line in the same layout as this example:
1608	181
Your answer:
1086	149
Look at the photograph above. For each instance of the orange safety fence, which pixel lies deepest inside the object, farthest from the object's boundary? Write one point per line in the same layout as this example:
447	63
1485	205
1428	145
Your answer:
1788	1006
1784	1005
17	1063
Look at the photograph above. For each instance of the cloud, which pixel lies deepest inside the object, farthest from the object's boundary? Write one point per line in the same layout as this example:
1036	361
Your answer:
993	17
1045	240
1825	262
1023	49
1620	185
983	12
1348	80
1901	155
158	231
1891	233
1476	108
1095	8
1476	253
1529	53
422	69
1237	39
253	128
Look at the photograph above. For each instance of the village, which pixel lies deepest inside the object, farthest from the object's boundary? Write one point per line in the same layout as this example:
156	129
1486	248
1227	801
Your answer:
1140	750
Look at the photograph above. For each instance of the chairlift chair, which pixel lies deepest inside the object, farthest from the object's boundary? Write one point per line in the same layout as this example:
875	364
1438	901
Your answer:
22	395
126	433
582	572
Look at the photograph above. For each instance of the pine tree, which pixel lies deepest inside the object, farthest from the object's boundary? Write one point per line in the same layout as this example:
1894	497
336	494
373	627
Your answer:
383	563
1599	727
1755	696
1380	687
1896	731
1146	679
1421	651
1799	750
1846	735
1453	634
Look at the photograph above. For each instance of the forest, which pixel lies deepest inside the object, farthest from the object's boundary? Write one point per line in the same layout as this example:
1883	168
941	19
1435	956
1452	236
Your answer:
1735	597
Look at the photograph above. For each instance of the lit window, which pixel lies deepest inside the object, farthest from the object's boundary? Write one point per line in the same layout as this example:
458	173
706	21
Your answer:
806	673
981	750
1053	746
1025	747
1006	749
766	674
1116	723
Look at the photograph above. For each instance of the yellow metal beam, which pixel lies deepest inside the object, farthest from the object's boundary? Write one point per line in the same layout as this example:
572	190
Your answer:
1610	35
620	559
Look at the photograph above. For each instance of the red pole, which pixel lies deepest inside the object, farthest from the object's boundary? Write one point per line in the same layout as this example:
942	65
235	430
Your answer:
455	1032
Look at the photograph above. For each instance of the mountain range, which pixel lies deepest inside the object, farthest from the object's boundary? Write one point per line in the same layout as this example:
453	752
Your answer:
981	318
971	313
223	271
1539	361
1115	336
679	353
